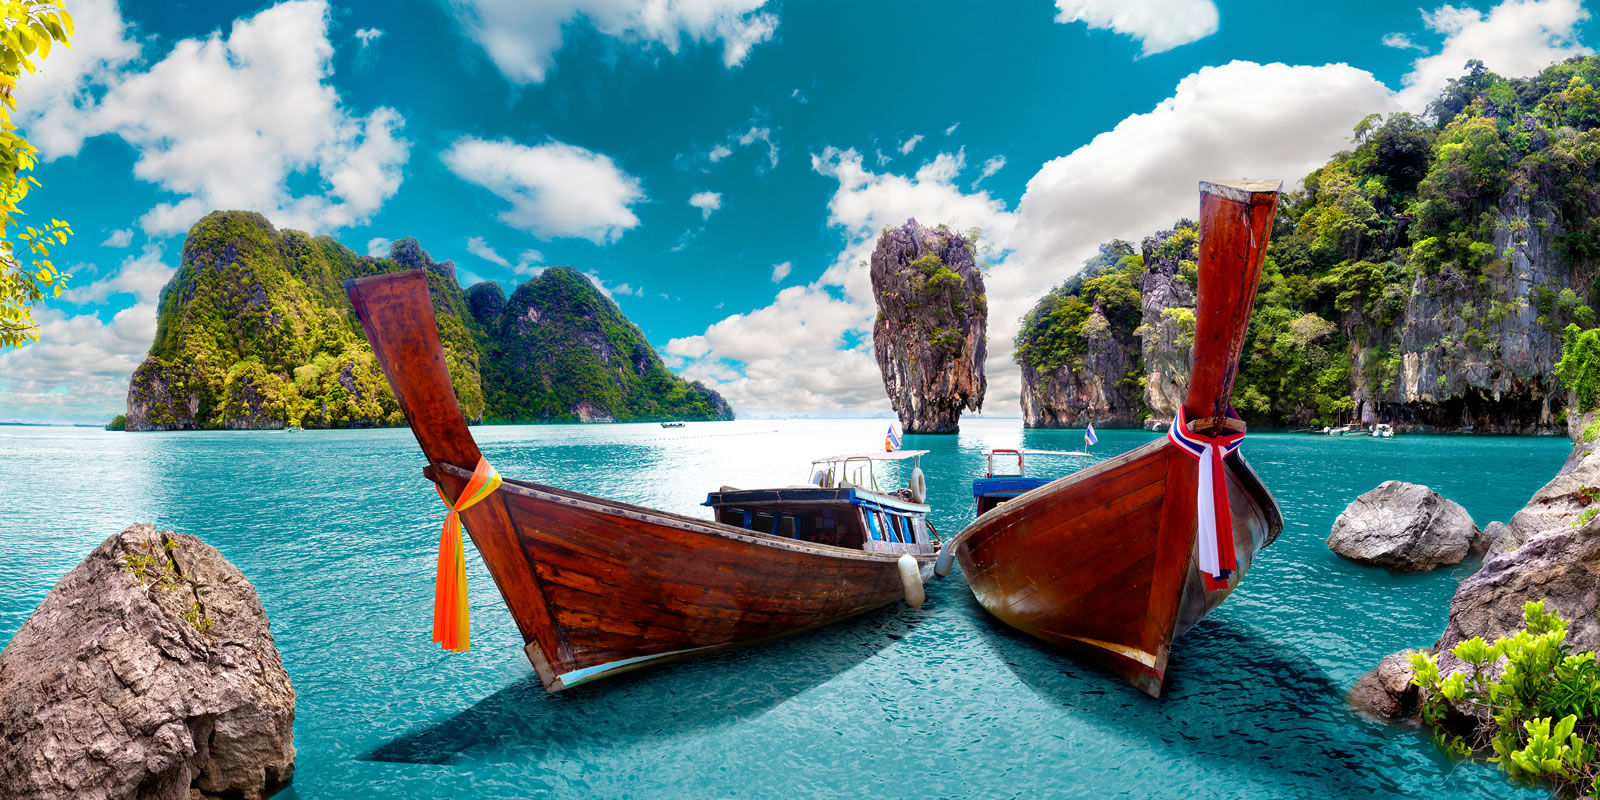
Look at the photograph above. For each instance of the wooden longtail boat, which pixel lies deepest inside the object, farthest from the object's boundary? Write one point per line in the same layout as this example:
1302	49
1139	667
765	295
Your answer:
599	587
1106	562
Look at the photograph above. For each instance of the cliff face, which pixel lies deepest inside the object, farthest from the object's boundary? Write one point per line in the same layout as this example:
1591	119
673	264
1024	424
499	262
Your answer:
1477	357
558	349
255	331
1426	278
1166	326
929	337
1092	389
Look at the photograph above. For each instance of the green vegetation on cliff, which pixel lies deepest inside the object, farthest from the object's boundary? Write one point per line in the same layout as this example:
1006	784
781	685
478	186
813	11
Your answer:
559	350
255	331
1436	245
1054	331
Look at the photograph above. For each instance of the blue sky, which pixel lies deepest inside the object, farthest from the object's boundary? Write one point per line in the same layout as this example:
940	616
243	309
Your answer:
719	166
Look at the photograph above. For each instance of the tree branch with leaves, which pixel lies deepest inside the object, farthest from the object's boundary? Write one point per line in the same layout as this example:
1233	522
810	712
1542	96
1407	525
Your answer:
28	29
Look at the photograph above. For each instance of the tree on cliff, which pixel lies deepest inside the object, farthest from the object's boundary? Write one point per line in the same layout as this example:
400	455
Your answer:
26	34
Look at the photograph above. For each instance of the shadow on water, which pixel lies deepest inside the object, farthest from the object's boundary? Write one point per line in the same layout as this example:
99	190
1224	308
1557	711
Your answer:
1233	698
664	702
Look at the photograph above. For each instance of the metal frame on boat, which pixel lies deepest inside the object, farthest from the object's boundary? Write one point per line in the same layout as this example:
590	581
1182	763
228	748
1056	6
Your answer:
1105	561
596	586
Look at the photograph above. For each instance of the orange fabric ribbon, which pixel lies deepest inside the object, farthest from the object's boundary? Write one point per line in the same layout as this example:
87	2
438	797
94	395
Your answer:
450	626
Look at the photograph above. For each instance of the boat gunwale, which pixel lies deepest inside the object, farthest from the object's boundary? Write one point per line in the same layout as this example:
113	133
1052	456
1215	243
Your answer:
617	508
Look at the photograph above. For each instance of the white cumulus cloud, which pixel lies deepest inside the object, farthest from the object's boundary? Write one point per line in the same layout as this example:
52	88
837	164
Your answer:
229	121
480	248
522	38
1159	25
378	247
555	189
781	271
707	202
910	144
1514	39
142	276
121	237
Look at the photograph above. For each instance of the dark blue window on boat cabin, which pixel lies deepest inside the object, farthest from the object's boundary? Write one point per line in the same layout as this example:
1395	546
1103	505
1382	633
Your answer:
872	527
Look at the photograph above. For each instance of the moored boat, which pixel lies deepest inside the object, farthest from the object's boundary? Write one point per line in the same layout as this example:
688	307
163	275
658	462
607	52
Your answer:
842	506
1120	559
596	586
1382	430
1005	478
671	424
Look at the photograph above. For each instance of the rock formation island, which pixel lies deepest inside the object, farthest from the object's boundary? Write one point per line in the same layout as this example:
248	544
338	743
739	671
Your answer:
929	337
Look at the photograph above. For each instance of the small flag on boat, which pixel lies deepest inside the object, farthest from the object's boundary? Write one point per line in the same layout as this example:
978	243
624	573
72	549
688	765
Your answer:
891	442
450	626
1088	436
1214	521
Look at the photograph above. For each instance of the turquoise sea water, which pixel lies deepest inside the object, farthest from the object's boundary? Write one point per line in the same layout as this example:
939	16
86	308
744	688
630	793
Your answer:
338	532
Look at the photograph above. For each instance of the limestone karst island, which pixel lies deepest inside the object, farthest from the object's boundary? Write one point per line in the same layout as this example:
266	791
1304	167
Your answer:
744	399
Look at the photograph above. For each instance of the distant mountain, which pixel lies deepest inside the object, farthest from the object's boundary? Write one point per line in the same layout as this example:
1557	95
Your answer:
558	348
255	331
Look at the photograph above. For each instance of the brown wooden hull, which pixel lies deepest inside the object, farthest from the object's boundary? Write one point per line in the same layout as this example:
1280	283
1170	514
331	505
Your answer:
1103	561
624	586
599	587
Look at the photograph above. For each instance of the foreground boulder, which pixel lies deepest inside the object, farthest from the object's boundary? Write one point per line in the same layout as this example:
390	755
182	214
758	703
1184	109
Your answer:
148	672
1405	527
929	338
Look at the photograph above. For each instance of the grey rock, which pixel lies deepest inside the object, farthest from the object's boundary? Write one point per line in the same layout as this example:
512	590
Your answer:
1404	527
1560	567
1387	692
929	337
1485	541
165	687
1555	507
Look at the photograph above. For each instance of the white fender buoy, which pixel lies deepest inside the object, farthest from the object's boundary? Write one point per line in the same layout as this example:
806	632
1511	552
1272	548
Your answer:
947	554
911	579
820	478
919	486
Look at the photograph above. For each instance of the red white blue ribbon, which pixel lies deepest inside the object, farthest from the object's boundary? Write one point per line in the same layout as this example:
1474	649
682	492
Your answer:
1214	521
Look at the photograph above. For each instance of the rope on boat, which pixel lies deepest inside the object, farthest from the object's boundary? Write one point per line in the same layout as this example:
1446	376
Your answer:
451	628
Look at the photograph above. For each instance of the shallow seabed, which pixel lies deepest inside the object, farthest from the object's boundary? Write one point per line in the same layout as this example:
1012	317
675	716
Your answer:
338	531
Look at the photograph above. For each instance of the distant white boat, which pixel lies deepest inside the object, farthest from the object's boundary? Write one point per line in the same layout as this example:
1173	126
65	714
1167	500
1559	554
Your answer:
1382	430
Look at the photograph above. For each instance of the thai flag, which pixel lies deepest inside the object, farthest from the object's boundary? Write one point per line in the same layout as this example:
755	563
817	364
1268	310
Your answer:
891	442
1088	436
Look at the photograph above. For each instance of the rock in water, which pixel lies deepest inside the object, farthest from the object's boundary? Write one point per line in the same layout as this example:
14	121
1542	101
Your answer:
1404	527
148	672
1387	691
929	336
